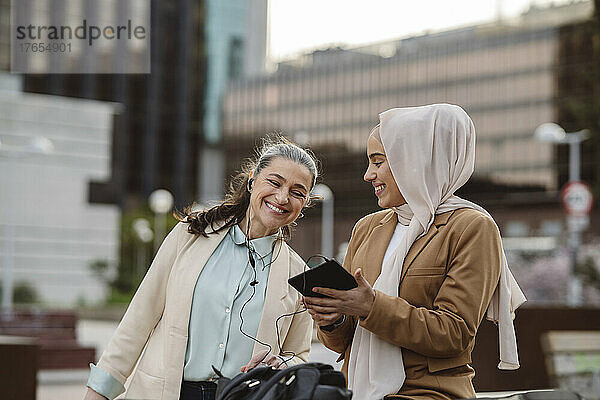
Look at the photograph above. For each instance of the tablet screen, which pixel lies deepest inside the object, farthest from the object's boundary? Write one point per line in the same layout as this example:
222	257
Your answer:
329	274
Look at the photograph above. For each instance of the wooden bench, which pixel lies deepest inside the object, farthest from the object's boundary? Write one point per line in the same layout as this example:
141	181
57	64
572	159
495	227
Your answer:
573	361
55	332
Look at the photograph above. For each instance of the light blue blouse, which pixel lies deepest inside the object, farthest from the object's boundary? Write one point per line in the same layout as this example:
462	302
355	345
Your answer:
214	336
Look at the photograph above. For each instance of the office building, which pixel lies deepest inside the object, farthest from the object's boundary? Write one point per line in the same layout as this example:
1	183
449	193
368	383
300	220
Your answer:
236	44
157	135
505	74
49	232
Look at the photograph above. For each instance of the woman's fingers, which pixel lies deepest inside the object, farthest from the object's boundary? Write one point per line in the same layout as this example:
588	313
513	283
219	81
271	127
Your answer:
360	278
357	301
323	310
272	360
263	358
320	301
335	294
325	319
322	315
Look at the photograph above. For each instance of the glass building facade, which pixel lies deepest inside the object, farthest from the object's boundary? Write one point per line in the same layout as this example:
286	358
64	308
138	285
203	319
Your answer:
236	39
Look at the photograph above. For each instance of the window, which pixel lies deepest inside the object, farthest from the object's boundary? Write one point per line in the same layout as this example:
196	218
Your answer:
236	58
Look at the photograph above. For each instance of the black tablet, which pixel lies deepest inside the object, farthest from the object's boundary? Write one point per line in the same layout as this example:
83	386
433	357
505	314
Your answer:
329	274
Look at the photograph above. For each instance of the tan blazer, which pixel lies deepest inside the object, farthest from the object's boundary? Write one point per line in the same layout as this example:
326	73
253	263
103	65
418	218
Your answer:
447	281
155	325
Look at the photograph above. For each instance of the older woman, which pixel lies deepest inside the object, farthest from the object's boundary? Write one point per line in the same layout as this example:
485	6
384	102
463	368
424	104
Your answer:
216	290
428	266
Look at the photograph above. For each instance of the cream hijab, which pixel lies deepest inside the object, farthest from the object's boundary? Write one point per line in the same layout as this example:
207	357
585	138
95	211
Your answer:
431	153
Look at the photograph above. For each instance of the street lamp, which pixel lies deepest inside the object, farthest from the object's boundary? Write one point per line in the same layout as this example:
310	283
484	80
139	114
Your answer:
161	202
553	133
37	145
326	219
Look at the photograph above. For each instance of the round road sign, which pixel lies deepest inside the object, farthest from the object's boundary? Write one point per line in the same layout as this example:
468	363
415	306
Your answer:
577	198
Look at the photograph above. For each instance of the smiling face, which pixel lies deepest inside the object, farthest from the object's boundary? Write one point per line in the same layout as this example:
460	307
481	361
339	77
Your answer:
379	174
278	193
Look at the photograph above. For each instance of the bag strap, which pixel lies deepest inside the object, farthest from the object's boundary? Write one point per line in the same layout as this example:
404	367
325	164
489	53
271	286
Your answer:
264	388
242	377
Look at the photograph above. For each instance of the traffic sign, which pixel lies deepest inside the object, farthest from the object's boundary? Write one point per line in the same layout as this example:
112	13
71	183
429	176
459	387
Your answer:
577	198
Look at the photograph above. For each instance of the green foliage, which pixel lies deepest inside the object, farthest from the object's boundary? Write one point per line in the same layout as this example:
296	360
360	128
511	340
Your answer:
80	302
135	257
588	272
117	297
23	293
100	269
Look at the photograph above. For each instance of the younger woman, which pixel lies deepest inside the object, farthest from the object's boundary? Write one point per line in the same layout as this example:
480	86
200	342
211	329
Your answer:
428	266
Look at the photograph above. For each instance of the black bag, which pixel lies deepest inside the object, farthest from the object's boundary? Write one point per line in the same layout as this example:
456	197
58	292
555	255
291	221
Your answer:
309	381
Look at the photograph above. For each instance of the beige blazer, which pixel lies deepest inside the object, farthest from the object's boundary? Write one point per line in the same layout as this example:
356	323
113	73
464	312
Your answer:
447	281
154	329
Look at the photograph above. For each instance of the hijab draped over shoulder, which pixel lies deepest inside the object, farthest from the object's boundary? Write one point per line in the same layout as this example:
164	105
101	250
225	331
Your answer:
431	153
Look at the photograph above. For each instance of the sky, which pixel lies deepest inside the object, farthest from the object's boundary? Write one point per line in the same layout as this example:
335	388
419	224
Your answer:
298	26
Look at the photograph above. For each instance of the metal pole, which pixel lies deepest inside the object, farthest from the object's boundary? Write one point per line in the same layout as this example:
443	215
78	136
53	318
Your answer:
326	219
574	159
161	202
575	288
140	260
553	133
327	228
159	230
574	296
141	228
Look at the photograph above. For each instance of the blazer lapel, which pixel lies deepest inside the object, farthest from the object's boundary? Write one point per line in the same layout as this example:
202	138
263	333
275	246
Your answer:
198	259
277	290
195	253
377	244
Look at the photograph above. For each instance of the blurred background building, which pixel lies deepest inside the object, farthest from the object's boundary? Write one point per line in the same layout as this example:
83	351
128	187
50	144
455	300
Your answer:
509	75
169	135
170	128
236	43
49	230
168	131
209	98
156	139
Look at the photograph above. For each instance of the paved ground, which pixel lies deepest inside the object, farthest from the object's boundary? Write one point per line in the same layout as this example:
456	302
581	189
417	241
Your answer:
65	391
70	384
61	385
